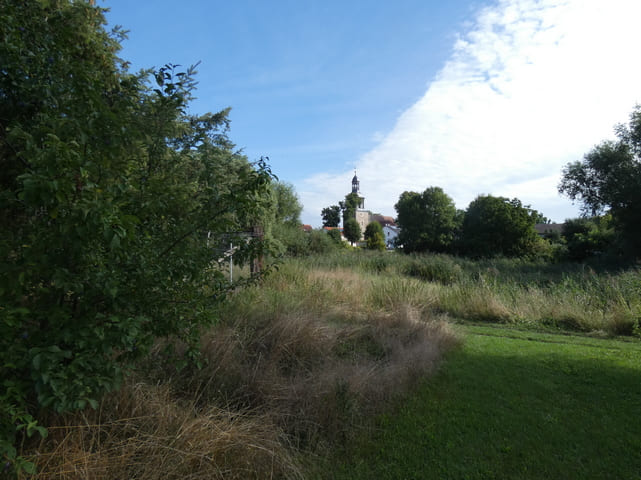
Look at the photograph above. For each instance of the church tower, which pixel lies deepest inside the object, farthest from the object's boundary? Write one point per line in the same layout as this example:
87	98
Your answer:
357	190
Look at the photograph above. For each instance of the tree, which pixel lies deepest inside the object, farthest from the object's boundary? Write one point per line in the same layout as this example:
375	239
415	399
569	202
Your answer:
283	219
352	230
374	236
285	203
428	221
331	216
109	192
587	237
349	206
608	179
335	235
498	226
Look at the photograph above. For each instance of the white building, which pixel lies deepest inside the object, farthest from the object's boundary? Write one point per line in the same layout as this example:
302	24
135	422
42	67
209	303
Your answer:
391	233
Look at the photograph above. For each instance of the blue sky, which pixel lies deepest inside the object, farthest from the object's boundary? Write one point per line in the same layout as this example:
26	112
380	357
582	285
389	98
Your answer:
473	96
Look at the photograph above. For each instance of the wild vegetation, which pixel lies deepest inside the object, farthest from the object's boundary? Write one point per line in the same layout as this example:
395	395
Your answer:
128	351
116	204
299	367
294	366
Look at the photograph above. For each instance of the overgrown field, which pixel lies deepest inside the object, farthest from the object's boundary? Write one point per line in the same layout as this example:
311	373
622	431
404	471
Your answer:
298	367
599	299
294	366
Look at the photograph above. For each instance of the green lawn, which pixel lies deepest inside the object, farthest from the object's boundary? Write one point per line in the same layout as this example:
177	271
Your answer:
511	404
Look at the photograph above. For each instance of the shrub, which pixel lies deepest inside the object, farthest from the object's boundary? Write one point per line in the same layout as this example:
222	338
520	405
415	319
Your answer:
374	237
110	192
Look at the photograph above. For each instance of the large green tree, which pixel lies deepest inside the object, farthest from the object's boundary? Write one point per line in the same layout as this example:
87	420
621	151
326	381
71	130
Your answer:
608	179
349	206
283	218
109	193
428	221
352	230
286	205
498	226
331	216
586	237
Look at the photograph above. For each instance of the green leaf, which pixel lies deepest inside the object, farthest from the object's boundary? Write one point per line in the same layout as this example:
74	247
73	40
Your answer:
36	361
115	242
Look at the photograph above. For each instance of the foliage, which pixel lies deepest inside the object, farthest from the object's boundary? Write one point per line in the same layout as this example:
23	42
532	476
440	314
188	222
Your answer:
539	217
351	230
588	237
498	226
298	243
282	218
318	242
331	216
349	206
288	239
335	234
374	236
285	204
609	179
295	366
428	221
109	193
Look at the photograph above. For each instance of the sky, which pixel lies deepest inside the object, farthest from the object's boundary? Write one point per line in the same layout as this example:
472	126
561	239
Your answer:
473	96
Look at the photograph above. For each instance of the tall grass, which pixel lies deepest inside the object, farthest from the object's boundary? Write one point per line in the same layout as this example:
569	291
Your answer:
560	296
295	364
304	359
144	431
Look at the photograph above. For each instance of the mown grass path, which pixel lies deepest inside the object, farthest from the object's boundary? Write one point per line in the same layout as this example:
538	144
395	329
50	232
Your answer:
512	404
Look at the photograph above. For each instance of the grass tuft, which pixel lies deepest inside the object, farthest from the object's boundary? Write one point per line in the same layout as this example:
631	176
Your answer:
142	431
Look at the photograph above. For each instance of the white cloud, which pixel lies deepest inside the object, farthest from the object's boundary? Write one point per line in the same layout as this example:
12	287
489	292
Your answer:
531	86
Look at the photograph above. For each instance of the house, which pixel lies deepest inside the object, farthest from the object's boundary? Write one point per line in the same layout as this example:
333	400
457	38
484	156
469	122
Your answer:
549	229
384	220
390	232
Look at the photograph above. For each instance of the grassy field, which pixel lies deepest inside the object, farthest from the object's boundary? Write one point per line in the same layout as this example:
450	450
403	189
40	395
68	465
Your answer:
362	365
511	404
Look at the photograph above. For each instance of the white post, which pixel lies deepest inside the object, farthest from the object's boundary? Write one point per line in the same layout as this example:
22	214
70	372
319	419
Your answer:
231	263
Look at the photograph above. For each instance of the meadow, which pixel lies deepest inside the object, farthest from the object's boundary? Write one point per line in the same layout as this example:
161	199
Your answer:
381	365
512	404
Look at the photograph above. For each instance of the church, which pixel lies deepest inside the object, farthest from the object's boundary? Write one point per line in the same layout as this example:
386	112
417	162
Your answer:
365	217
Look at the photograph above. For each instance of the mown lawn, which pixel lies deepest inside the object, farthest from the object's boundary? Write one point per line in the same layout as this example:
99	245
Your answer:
512	404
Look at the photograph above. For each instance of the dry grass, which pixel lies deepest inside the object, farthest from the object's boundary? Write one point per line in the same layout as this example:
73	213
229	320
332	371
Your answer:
475	303
143	431
295	364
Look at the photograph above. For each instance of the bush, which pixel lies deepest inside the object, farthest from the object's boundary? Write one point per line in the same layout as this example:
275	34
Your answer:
374	236
113	201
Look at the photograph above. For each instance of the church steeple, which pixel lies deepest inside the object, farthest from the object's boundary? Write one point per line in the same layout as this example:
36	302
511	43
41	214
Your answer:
356	190
355	184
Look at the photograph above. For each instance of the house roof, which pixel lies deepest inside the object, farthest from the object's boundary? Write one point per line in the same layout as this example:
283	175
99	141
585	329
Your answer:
384	220
542	228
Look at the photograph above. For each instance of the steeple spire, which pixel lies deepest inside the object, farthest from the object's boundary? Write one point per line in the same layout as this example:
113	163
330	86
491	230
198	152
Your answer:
356	190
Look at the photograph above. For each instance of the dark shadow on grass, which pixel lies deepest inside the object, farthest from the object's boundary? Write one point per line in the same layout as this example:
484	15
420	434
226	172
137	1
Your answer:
522	412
